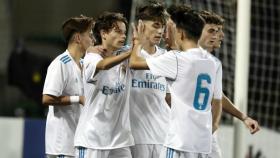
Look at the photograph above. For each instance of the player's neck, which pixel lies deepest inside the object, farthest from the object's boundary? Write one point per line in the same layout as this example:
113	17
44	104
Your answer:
210	50
150	48
109	49
188	45
75	52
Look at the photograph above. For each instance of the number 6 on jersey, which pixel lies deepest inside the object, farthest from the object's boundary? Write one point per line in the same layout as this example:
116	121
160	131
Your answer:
200	90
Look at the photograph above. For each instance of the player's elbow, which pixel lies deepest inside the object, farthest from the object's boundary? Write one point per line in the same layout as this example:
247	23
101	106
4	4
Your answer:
46	101
132	64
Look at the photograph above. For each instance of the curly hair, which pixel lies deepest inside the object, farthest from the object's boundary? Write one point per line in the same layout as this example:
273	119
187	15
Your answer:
106	22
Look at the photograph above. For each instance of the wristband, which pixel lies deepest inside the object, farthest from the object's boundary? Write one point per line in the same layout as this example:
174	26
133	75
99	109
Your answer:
74	99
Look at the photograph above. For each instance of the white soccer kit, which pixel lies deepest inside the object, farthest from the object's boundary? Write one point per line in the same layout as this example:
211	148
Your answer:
216	150
194	79
63	79
149	112
104	123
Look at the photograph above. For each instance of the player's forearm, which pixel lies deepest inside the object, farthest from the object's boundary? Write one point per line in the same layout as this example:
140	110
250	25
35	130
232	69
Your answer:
112	61
61	100
229	107
216	114
136	62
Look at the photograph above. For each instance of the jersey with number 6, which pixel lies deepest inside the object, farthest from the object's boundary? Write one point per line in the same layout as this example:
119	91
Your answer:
195	78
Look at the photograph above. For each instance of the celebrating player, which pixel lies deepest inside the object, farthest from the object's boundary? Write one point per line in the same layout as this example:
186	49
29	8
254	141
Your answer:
195	81
104	127
63	89
149	110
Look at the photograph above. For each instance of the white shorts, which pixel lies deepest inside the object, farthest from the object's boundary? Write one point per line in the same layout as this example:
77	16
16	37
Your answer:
171	153
216	150
146	150
58	156
82	152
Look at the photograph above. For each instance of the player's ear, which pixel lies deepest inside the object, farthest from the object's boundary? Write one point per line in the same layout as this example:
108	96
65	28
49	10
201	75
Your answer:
103	34
182	34
77	37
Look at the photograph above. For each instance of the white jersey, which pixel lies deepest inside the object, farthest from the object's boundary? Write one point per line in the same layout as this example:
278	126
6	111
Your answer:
104	122
194	78
149	112
63	79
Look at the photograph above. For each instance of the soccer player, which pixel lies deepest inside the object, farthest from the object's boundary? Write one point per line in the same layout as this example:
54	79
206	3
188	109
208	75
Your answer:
104	128
210	40
63	89
149	110
195	81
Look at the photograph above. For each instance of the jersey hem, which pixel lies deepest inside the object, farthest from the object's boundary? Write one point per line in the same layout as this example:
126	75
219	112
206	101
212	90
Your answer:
66	154
104	148
184	150
149	143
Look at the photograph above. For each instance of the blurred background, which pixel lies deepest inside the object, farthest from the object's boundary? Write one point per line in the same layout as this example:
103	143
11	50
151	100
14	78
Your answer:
30	38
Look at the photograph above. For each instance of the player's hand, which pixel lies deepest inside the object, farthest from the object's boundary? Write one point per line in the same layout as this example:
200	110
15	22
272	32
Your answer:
82	100
97	49
137	32
251	124
169	35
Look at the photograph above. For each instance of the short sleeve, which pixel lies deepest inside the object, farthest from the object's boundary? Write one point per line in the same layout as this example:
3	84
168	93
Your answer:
90	62
55	79
218	88
164	65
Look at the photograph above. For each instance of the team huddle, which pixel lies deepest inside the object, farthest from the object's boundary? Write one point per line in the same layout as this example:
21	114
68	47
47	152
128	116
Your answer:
111	100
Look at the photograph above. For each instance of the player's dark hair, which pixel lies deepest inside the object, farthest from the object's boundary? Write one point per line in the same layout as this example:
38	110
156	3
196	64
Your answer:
176	8
78	24
106	22
211	17
189	21
153	11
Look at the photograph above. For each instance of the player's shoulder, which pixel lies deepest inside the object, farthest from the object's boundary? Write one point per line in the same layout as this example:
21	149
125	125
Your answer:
161	50
210	56
64	58
92	56
61	61
215	59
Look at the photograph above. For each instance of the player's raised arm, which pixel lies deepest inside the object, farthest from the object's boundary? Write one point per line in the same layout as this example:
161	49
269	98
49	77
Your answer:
169	36
137	62
108	61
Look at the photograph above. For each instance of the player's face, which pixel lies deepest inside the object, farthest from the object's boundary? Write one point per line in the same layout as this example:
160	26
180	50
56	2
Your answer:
220	38
116	37
153	31
209	36
86	39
